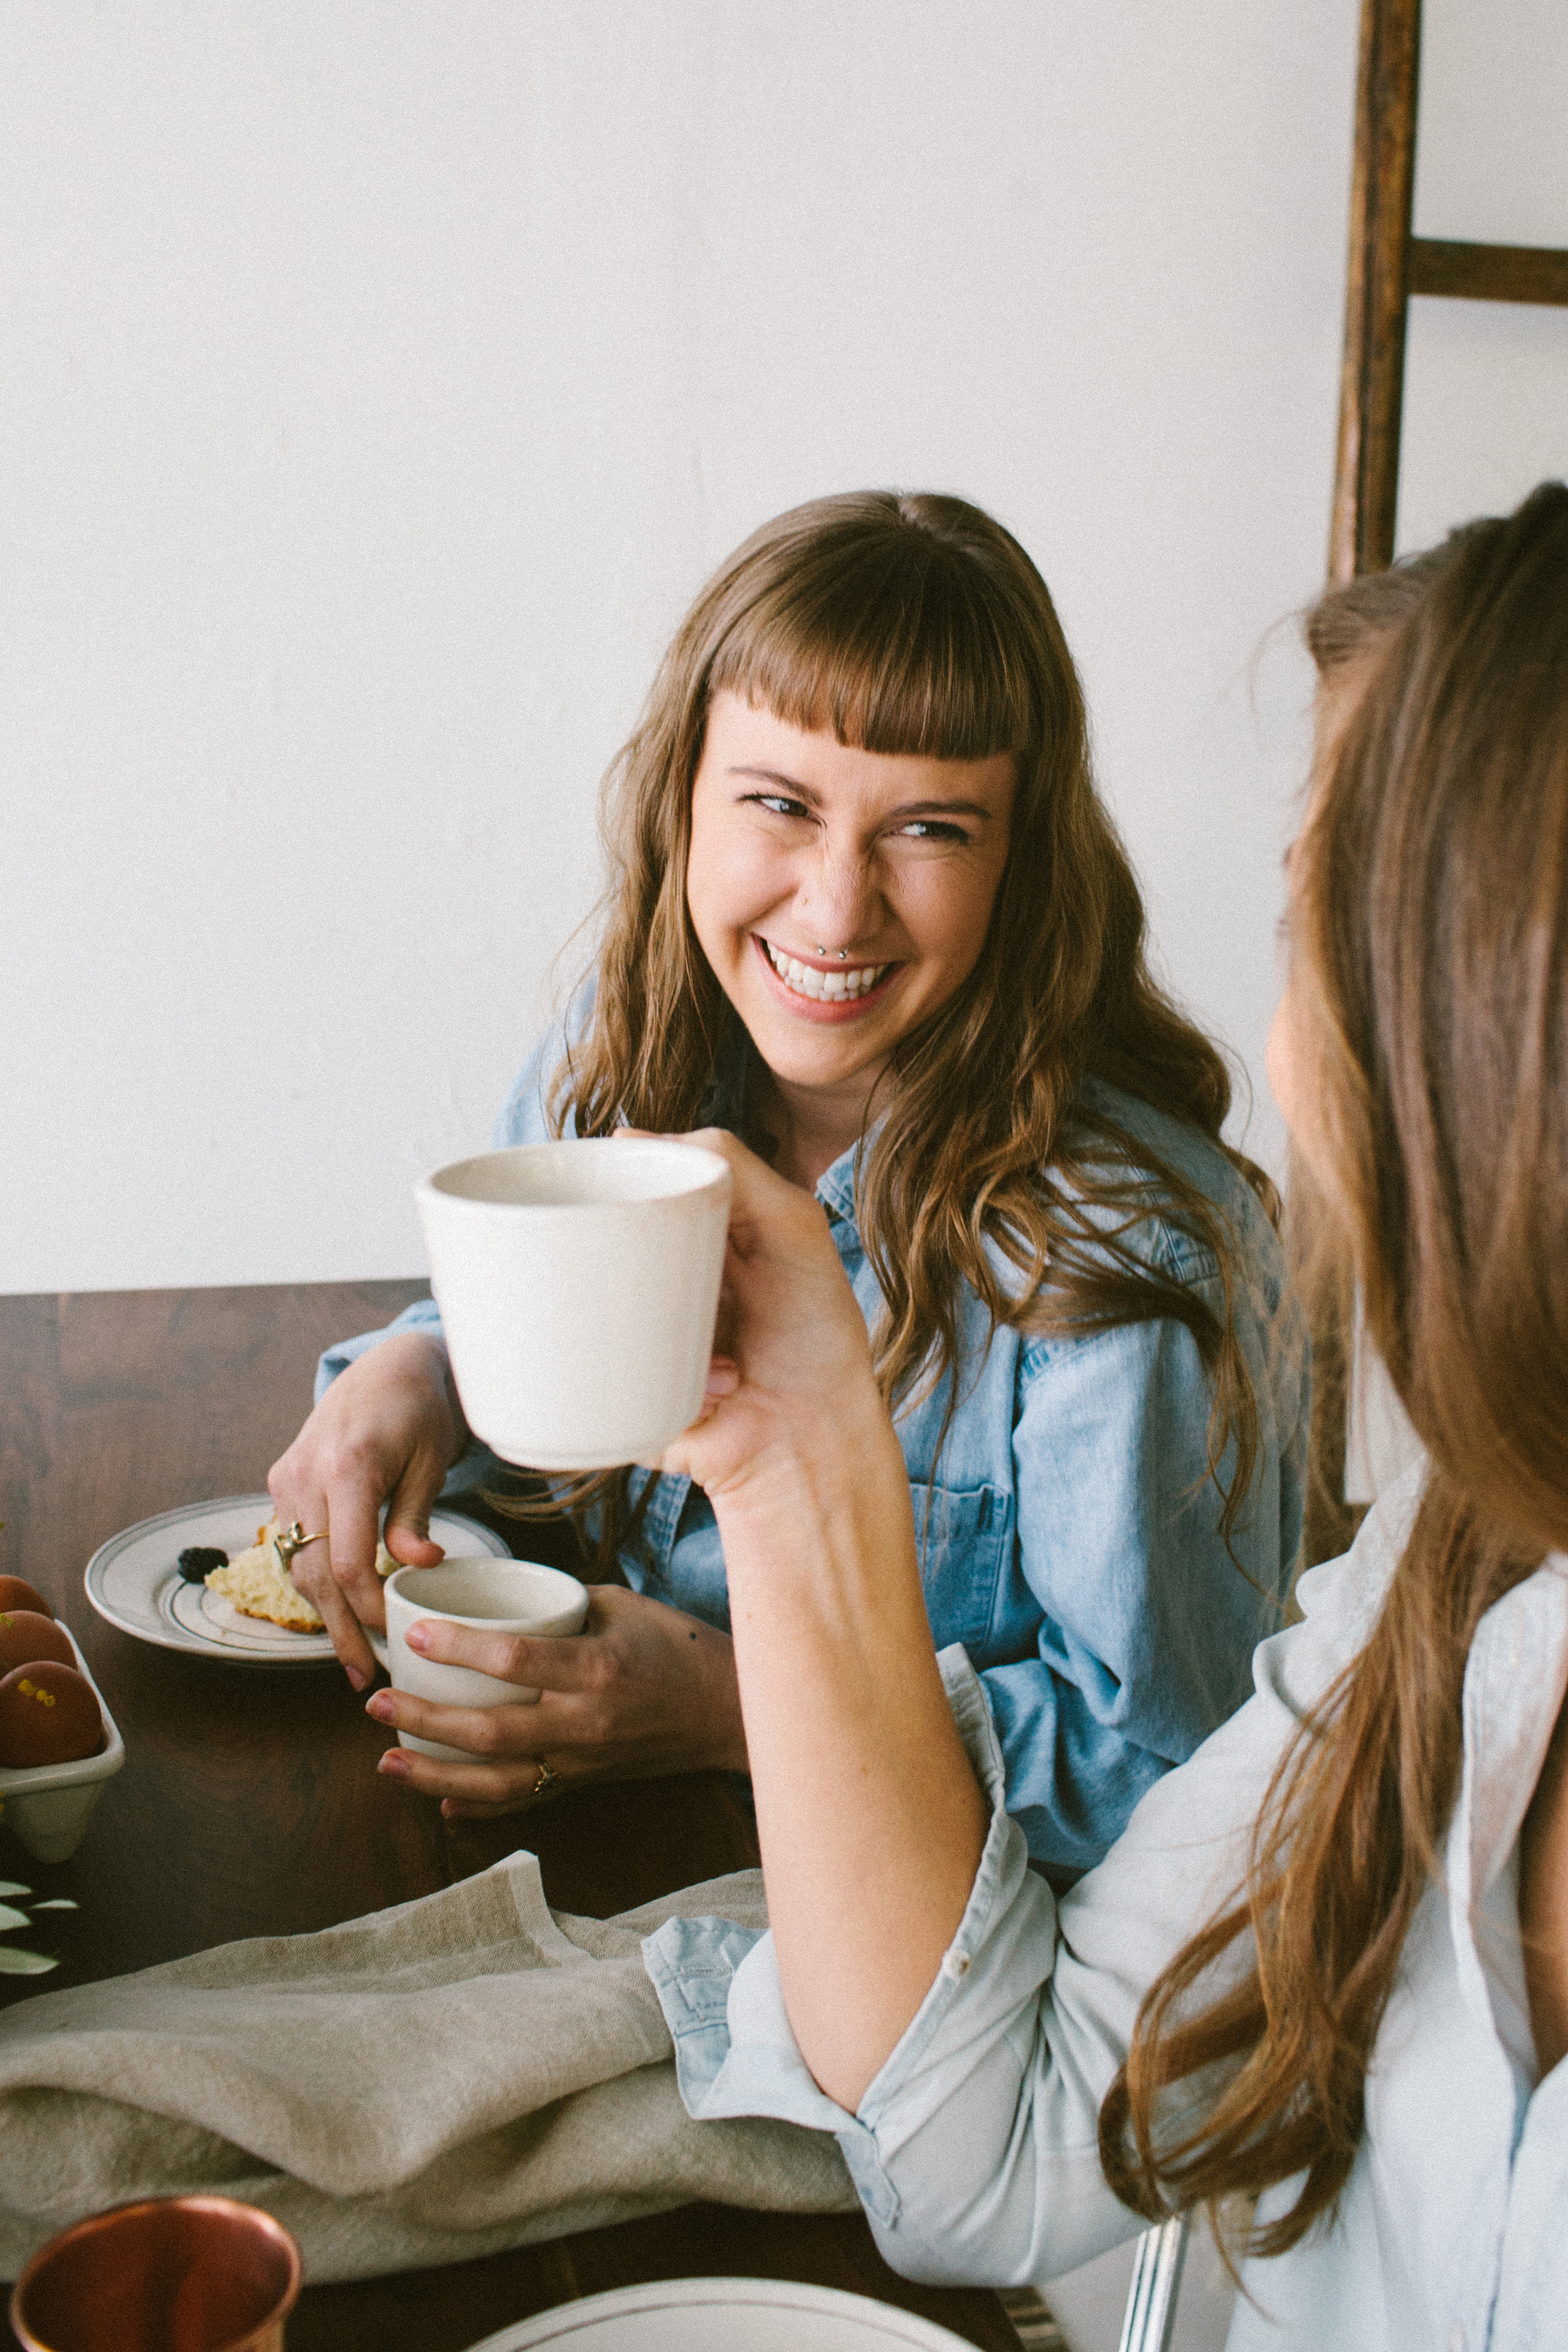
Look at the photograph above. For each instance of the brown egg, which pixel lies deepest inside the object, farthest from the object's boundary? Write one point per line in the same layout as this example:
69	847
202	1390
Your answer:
15	1593
25	1635
48	1715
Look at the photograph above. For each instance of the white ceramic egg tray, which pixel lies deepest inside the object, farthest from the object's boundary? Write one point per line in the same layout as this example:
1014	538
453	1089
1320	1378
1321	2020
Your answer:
48	1806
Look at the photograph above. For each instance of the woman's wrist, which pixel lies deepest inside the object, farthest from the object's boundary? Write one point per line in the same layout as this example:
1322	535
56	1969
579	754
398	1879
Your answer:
834	1470
820	1560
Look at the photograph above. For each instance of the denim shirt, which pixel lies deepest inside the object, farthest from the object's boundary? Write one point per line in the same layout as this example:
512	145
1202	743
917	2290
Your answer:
975	2147
1069	1534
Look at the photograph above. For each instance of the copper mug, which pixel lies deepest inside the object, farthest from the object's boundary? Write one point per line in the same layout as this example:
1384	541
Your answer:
175	2275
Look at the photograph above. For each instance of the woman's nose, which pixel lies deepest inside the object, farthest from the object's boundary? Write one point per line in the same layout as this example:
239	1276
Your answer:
838	900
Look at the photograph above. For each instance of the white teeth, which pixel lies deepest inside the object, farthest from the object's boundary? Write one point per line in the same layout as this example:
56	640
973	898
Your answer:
836	987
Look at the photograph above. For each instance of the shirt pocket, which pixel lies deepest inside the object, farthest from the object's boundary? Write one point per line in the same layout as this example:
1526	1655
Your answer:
964	1536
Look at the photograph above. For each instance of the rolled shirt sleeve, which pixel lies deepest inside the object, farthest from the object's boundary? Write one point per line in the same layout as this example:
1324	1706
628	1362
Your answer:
975	2148
940	2150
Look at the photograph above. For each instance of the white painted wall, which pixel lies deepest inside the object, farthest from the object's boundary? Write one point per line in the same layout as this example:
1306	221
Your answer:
379	380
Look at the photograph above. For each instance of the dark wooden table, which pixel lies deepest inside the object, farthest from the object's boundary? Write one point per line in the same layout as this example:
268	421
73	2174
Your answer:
250	1803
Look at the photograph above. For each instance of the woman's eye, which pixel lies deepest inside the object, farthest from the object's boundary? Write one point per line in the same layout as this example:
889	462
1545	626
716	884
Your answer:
779	803
927	828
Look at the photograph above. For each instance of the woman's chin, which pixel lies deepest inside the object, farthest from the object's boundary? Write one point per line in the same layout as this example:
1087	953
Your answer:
823	1044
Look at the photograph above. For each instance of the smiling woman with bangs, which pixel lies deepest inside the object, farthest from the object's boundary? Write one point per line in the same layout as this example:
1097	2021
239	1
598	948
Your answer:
867	912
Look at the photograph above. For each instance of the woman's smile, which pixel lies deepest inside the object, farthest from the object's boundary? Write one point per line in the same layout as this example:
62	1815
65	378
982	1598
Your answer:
814	990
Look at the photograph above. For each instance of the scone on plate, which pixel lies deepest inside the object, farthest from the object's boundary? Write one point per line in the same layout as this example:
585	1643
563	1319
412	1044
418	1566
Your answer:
257	1583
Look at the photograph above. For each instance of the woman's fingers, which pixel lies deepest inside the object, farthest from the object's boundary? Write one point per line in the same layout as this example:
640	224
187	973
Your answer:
553	1661
345	1518
354	1524
502	1787
311	1570
646	1691
388	1426
354	1653
347	1634
498	1735
507	1745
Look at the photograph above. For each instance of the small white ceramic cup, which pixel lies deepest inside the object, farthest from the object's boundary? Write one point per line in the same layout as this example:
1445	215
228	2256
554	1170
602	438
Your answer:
578	1285
490	1596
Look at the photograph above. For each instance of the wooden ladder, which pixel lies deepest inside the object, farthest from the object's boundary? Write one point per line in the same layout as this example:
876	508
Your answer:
1387	265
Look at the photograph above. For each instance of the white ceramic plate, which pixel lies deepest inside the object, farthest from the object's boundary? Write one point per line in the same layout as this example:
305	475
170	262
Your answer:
133	1581
725	2314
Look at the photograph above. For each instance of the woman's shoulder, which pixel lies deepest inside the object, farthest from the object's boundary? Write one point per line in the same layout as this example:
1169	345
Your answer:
1345	1594
1125	1138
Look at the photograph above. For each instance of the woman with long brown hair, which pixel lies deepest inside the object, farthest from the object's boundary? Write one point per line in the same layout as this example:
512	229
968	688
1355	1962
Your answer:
1320	1984
866	910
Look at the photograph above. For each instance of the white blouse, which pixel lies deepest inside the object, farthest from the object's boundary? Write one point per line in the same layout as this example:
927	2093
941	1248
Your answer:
975	2150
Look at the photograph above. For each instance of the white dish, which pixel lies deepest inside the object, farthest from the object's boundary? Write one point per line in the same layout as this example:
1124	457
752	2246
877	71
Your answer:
48	1805
725	2314
133	1581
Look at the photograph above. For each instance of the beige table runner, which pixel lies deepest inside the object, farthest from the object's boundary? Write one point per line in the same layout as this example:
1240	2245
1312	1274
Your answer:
453	2077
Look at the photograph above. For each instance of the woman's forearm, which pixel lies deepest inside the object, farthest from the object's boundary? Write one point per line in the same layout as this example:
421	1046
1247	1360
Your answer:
870	1820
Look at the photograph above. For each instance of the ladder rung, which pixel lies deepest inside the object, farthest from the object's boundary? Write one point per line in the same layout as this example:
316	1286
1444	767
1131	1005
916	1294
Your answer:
1487	273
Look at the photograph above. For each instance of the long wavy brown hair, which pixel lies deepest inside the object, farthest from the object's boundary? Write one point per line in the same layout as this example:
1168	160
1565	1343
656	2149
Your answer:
1429	930
917	625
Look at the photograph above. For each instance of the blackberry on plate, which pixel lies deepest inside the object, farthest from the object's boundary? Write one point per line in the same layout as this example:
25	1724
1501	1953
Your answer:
196	1562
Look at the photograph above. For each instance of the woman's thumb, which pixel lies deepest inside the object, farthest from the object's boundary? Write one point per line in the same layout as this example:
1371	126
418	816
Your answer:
407	1535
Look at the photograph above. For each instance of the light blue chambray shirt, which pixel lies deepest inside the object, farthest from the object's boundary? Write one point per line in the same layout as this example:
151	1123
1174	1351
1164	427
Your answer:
975	2148
1069	1535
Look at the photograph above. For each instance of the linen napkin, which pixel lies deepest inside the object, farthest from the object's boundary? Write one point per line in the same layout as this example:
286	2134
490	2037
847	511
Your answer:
444	2079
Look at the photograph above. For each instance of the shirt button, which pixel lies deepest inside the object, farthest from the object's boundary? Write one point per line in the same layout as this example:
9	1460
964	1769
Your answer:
1455	2338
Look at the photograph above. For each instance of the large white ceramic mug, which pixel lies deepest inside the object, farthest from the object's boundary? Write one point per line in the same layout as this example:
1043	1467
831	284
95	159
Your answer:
487	1596
578	1284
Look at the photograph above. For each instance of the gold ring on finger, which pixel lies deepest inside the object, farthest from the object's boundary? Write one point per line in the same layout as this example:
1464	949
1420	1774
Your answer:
546	1782
288	1541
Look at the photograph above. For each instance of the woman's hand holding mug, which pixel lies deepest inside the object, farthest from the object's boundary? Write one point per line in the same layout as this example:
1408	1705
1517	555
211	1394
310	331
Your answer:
643	1691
